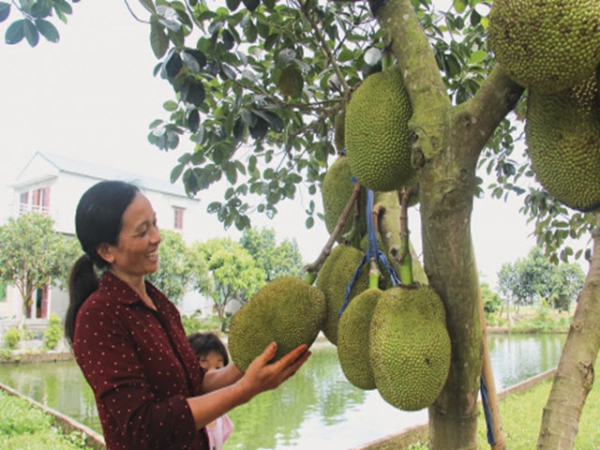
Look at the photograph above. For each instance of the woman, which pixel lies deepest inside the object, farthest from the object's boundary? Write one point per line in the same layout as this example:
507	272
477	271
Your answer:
128	339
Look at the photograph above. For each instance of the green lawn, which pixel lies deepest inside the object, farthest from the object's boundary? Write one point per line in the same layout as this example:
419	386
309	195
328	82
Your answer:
24	427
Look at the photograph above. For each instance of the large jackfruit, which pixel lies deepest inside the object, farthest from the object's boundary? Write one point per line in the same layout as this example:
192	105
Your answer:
288	311
377	132
336	190
410	347
334	276
563	138
353	339
546	45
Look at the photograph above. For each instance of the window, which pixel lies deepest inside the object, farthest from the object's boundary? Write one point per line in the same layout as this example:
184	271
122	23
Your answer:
178	225
40	201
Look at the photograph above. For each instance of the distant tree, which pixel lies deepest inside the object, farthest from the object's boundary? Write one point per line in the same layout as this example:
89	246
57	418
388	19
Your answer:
275	260
33	254
491	299
233	274
179	268
535	277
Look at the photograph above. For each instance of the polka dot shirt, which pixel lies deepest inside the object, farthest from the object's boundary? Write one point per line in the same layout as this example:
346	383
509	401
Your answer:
140	367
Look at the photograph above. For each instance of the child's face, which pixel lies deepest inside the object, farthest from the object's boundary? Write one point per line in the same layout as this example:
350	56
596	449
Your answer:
211	361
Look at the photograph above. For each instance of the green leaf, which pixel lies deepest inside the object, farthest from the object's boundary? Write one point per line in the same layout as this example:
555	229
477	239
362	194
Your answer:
176	172
39	10
251	4
31	33
170	105
250	31
158	39
193	92
193	121
231	173
310	221
4	11
477	56
15	32
460	5
47	30
291	82
149	5
233	4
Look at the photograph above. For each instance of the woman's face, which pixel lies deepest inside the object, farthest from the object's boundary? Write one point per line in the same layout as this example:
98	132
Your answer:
211	361
136	253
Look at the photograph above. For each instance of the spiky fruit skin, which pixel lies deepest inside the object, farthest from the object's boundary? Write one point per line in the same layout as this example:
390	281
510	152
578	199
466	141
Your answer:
353	339
563	138
546	45
410	346
336	190
287	311
377	132
334	276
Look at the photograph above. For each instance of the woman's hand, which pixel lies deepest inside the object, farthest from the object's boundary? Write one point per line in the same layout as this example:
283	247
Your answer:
262	376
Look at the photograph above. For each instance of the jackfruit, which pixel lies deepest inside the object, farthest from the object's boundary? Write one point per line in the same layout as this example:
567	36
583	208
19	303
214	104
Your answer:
334	276
288	311
377	132
546	45
410	346
336	190
353	339
563	138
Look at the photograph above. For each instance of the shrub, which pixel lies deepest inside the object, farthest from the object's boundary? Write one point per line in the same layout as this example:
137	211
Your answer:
54	332
12	337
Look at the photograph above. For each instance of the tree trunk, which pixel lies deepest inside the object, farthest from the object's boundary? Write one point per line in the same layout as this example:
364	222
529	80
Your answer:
575	374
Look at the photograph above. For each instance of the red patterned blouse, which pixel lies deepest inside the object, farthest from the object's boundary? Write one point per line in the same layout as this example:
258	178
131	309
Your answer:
140	367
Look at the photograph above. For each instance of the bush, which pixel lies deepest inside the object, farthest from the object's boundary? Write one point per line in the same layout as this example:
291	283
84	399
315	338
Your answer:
195	323
12	337
54	332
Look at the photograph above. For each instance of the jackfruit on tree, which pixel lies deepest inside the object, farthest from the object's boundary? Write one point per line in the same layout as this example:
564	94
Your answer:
563	138
353	339
546	45
410	346
376	134
334	276
336	190
288	311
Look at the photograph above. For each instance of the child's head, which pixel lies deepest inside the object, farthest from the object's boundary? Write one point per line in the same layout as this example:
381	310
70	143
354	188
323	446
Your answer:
209	350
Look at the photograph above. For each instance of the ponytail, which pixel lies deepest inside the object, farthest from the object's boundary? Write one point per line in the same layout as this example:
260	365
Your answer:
83	281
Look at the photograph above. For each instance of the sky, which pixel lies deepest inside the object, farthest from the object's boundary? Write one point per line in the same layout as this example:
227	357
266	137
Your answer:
93	95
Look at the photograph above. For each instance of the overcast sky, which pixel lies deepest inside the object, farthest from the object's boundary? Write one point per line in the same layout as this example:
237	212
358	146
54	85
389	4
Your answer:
92	97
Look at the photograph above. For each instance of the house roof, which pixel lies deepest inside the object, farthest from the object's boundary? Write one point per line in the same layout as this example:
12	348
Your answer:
78	167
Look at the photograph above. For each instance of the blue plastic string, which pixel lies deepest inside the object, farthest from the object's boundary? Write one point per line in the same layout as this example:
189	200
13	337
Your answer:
488	413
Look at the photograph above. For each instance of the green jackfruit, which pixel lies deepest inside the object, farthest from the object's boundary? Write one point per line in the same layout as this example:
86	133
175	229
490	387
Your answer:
334	276
563	138
377	132
336	190
409	346
546	45
353	339
288	311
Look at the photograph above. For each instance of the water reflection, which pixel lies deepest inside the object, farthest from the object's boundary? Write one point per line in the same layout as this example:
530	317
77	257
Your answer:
317	408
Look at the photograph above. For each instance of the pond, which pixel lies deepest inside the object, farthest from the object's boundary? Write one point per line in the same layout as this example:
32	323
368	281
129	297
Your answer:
317	408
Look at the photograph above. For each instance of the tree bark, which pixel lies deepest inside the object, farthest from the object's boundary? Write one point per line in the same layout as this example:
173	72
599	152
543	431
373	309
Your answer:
575	373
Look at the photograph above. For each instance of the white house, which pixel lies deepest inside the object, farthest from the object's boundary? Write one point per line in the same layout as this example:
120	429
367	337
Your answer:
54	184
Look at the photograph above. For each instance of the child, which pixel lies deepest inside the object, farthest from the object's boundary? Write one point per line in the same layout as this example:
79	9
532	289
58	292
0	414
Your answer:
212	355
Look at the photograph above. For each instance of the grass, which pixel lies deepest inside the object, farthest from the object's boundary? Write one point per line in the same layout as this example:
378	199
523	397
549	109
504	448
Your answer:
521	416
24	427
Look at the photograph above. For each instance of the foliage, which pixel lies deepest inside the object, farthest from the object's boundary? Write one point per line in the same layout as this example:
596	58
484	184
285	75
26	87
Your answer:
12	337
2	291
196	323
534	276
275	260
24	426
233	274
491	300
179	268
33	255
53	332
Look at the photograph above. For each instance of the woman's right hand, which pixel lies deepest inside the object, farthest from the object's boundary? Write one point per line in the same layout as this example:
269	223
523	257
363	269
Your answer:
262	376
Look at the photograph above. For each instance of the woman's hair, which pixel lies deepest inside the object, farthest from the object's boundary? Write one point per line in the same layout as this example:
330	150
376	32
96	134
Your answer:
203	343
97	221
